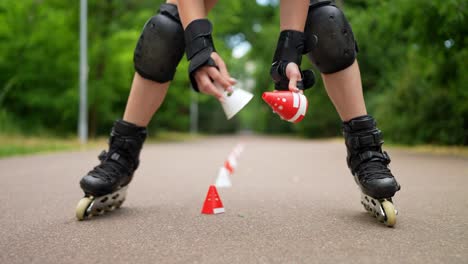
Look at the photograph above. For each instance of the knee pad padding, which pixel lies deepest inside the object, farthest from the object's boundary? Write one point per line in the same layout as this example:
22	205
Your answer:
160	46
329	38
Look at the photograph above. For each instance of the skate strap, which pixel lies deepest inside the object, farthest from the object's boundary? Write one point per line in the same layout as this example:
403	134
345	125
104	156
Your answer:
369	155
363	141
117	158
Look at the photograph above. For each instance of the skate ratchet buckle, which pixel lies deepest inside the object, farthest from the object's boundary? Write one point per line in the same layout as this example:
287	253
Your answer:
382	209
90	206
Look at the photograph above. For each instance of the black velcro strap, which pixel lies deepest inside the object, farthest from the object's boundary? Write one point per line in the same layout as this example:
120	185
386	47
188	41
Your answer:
368	155
290	48
278	74
374	139
199	46
308	79
360	123
198	37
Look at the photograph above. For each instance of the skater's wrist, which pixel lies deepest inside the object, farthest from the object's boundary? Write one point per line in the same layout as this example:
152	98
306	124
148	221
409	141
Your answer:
199	46
289	49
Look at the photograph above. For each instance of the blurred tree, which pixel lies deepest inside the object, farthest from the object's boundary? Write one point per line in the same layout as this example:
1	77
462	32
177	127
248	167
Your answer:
413	58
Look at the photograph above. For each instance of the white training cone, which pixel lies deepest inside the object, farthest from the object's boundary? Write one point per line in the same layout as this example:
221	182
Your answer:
232	163
237	150
235	101
223	180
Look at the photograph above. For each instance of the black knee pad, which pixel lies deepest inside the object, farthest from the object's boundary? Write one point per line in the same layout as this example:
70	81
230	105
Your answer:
161	45
329	38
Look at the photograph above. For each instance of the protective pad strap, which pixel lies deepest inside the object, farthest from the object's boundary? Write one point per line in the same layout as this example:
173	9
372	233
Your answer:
199	46
290	48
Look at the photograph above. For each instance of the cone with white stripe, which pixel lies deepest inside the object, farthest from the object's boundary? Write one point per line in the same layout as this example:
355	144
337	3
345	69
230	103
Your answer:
223	180
288	105
230	164
212	204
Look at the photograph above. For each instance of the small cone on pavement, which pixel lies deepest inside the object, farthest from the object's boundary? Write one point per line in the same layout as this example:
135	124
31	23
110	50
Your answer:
223	180
288	105
212	204
229	166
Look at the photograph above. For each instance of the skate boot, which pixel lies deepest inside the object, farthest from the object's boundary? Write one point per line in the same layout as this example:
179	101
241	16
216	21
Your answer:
369	166
105	186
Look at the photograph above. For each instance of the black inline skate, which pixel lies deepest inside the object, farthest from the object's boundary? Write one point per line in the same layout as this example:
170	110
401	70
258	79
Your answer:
106	185
369	166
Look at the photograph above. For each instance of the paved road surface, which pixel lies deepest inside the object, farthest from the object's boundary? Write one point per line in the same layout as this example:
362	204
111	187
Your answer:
292	201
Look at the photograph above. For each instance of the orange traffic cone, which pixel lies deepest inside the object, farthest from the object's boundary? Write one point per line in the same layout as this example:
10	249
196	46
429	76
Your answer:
288	105
213	204
230	165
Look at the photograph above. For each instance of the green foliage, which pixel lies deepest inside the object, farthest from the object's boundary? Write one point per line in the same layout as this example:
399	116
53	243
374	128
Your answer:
414	62
413	58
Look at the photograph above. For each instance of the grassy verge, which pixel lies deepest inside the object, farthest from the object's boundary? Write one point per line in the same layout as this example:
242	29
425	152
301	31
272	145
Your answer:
461	151
15	145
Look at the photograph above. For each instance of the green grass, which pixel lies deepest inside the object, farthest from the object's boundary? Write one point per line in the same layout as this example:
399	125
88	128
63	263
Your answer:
13	145
460	151
16	145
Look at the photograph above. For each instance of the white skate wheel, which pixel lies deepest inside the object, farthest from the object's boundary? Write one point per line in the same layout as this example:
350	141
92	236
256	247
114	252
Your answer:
82	206
390	213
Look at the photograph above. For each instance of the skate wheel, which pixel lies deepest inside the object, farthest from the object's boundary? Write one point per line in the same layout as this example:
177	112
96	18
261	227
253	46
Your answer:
390	214
82	206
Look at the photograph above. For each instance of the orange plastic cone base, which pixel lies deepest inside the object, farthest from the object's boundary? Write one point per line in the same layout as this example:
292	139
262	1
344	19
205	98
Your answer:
213	204
288	105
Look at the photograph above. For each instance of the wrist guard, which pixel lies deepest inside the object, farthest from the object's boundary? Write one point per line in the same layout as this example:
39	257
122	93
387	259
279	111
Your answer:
199	46
290	48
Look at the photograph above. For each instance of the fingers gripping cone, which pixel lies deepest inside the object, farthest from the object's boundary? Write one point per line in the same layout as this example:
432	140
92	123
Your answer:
213	204
223	180
235	101
288	105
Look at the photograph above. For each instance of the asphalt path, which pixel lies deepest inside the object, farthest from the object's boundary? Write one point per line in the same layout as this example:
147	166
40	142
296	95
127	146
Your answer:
292	201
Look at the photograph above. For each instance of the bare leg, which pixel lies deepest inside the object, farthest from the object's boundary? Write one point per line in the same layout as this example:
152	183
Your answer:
147	96
345	91
145	99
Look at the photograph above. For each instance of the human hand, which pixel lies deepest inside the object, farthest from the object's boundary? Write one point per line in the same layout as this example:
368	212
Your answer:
294	75
206	76
285	69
